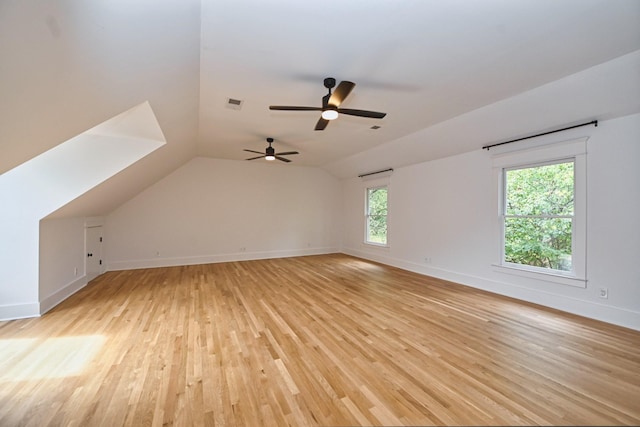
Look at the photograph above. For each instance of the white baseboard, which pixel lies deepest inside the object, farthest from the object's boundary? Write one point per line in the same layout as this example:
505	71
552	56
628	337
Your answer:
212	259
57	297
605	313
19	311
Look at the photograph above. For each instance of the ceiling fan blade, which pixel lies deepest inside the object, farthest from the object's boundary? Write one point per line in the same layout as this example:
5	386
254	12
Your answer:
253	158
291	108
251	151
322	123
361	113
342	91
288	153
282	159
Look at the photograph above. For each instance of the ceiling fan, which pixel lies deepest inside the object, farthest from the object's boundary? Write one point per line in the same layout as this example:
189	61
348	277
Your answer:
331	104
270	153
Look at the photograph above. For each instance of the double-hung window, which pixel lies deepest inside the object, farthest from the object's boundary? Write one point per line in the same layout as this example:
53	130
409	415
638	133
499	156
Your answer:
543	212
538	211
376	216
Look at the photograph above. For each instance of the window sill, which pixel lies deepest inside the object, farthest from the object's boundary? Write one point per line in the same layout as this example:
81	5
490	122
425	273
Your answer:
544	276
377	245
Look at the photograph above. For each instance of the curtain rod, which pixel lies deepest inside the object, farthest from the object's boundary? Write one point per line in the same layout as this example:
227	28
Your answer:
373	173
593	122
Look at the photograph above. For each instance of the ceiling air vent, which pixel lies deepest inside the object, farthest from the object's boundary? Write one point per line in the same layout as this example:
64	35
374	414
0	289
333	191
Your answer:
235	104
375	127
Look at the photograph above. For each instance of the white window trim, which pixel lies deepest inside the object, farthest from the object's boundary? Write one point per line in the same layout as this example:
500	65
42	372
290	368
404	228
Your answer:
575	149
374	185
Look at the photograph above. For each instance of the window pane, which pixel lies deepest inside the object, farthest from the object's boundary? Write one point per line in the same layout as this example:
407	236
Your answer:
538	242
377	215
540	190
377	229
377	201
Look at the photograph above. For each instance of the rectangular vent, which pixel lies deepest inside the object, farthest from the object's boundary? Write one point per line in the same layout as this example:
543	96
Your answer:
236	104
375	127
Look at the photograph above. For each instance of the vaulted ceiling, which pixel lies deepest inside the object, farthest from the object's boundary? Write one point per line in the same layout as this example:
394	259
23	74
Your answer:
495	68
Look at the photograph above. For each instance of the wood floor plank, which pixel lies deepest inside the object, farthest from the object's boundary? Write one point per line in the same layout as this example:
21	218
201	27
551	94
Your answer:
306	341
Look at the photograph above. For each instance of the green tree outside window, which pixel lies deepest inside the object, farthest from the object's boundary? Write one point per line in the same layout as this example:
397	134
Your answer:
377	215
538	217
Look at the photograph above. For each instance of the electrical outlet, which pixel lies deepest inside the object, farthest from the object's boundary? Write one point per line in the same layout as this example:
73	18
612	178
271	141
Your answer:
75	271
157	253
427	260
242	249
604	293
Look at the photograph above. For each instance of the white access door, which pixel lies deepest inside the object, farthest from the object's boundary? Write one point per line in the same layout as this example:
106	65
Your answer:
93	245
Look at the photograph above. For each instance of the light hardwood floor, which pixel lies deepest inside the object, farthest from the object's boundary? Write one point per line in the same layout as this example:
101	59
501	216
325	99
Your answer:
319	340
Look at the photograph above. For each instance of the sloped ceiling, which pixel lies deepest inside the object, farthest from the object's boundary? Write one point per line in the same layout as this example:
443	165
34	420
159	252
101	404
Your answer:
422	62
52	179
67	66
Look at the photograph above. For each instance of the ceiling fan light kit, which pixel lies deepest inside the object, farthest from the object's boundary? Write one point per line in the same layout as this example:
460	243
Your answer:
330	114
270	153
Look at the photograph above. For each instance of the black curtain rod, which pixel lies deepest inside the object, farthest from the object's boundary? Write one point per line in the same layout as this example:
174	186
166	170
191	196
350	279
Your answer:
373	173
593	122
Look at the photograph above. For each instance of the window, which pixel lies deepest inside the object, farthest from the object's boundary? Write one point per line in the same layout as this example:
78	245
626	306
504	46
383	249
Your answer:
376	216
542	212
538	215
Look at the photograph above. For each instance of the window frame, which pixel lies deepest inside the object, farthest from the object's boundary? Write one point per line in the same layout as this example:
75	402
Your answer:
554	153
367	215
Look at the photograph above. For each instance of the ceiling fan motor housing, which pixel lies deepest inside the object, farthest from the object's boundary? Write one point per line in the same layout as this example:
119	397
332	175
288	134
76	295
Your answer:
329	82
270	151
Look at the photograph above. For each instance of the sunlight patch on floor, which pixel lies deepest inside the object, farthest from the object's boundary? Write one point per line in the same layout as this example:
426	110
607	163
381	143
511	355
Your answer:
34	358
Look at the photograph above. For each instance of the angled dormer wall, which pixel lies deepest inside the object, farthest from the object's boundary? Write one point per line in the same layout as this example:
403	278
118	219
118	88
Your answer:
51	180
67	66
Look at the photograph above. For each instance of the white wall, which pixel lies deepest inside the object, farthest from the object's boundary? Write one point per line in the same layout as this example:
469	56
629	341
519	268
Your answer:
213	210
446	210
62	260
